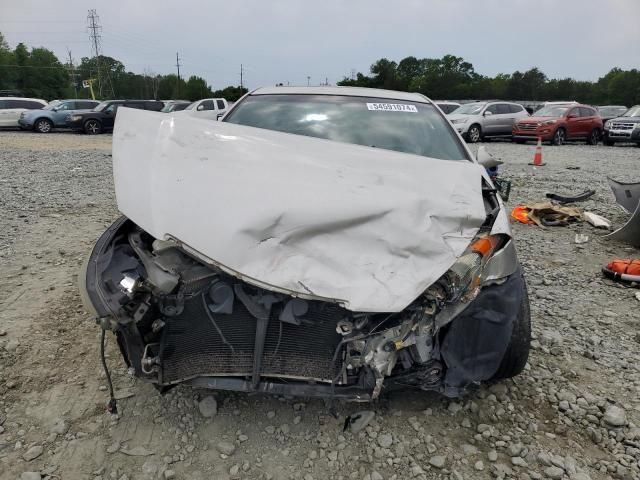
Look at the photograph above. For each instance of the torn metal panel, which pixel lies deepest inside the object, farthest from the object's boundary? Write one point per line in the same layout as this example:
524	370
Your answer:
627	194
368	227
630	231
628	197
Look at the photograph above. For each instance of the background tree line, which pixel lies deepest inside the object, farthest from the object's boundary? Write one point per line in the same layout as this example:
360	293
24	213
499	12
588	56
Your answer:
39	73
453	78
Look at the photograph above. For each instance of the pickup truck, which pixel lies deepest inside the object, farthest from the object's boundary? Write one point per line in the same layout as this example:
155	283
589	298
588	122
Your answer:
210	108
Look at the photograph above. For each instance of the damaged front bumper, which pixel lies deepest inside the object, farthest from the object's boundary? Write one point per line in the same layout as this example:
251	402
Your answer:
179	320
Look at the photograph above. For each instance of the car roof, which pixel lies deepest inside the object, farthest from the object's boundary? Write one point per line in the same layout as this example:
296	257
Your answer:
348	91
24	98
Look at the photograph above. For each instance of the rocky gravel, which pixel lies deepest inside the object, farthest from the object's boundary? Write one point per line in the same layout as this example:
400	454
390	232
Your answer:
573	414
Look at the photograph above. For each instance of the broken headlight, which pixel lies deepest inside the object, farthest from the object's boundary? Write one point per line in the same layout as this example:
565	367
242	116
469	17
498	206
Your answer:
462	281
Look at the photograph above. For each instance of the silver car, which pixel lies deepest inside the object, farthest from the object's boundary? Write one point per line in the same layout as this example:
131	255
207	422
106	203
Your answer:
393	268
479	120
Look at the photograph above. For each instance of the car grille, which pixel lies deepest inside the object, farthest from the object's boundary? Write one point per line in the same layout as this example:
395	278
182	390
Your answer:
622	125
191	345
527	126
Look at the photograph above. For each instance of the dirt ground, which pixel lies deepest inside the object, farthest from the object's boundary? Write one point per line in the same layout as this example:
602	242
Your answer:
574	413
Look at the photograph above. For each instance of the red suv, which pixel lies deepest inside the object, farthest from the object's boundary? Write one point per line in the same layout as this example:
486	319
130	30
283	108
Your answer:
559	123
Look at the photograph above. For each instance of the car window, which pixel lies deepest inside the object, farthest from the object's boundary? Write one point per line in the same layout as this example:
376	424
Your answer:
399	125
492	108
206	105
515	108
220	104
3	104
154	106
65	106
574	111
504	108
586	112
85	105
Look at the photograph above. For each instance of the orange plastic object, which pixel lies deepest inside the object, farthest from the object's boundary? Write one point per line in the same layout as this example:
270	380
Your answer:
625	266
521	214
484	246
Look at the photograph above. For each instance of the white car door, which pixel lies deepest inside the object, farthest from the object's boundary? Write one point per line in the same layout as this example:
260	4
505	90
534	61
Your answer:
5	113
206	109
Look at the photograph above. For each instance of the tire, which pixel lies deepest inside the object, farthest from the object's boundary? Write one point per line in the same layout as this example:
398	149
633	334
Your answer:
517	354
474	134
594	137
92	127
43	125
559	137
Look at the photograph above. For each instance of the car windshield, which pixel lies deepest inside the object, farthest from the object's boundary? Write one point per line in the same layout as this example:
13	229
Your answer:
101	106
191	106
399	125
551	111
633	112
611	111
469	109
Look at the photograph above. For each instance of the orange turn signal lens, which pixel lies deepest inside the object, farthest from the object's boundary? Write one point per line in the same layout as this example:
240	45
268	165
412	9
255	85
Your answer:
485	245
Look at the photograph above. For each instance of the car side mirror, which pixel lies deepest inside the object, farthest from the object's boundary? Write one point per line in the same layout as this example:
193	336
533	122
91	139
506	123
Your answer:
200	108
485	159
219	117
487	113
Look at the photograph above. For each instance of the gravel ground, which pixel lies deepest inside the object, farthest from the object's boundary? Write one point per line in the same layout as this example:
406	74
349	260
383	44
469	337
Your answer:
573	414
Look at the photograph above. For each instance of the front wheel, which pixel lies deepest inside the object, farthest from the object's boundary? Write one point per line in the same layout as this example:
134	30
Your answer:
594	137
92	127
43	126
474	134
559	137
517	354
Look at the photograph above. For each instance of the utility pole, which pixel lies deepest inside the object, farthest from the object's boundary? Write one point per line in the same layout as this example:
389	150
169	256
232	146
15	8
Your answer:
94	35
241	71
72	74
178	67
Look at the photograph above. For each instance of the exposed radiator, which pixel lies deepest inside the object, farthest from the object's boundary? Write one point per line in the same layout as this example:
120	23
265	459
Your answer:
191	345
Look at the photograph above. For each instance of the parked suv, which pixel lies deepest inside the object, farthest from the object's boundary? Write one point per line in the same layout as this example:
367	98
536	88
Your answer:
558	123
625	128
479	120
54	114
12	107
103	117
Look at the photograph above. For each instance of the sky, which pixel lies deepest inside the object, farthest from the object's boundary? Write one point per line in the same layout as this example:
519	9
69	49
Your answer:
289	40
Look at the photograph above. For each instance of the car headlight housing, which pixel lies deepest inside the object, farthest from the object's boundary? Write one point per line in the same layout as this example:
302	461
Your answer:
548	122
607	124
459	120
461	283
73	118
636	126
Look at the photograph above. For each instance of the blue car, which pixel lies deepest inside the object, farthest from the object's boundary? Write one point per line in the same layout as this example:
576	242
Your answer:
53	115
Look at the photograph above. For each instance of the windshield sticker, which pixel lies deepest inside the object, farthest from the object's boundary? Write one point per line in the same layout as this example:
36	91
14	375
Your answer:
391	107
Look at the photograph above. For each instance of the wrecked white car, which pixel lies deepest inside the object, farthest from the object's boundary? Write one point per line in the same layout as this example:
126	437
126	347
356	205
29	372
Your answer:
333	242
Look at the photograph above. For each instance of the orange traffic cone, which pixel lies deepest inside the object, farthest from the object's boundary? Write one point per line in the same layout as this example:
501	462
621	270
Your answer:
537	157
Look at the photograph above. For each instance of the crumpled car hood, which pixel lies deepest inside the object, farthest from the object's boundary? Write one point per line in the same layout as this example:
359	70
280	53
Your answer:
367	227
